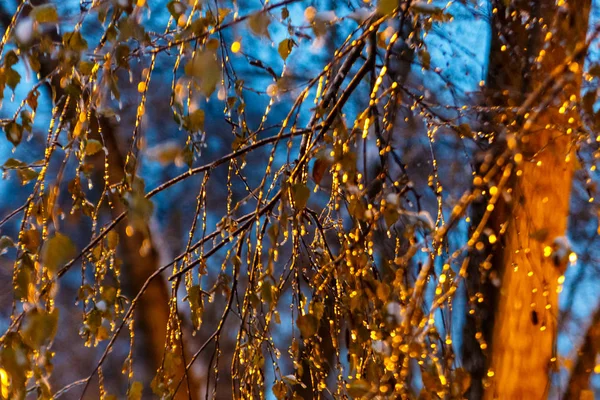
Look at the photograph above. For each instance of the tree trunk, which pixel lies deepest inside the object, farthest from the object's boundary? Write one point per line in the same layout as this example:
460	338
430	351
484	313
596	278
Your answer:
142	260
586	361
532	42
139	253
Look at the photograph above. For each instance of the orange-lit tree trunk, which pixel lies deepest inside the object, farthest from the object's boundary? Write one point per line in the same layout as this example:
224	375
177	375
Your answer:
142	260
536	64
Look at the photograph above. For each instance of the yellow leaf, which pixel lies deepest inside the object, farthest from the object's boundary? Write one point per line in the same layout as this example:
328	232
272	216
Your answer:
280	390
359	388
165	153
57	251
92	147
386	7
259	24
205	67
285	48
300	194
112	240
308	325
135	391
45	14
40	327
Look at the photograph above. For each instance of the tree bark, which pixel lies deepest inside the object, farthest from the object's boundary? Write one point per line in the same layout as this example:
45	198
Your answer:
138	251
586	361
532	41
141	260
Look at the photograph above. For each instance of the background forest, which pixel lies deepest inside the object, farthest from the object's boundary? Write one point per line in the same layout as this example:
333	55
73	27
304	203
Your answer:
299	199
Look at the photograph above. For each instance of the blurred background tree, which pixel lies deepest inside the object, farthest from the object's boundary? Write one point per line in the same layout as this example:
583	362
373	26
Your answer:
298	199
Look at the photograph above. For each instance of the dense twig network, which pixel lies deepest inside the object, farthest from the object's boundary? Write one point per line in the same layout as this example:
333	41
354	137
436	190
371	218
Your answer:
315	148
